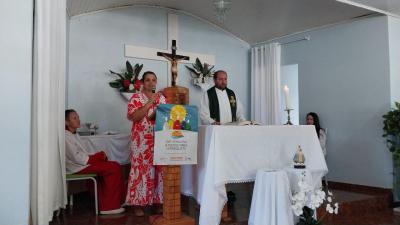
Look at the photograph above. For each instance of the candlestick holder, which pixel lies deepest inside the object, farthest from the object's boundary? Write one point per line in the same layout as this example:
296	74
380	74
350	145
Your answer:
288	117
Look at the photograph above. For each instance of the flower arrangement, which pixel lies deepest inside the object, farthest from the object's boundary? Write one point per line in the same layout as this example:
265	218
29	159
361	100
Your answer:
200	72
307	200
128	81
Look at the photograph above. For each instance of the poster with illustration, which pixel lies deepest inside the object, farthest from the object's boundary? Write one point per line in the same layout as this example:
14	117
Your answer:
175	135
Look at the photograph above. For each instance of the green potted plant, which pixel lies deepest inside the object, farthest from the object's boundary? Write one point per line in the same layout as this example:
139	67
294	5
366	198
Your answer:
127	82
200	72
391	131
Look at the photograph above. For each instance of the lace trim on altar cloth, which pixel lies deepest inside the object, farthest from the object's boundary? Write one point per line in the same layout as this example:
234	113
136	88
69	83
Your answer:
235	181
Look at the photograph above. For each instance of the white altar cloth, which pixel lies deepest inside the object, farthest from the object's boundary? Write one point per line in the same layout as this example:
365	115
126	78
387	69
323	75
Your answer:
115	146
233	154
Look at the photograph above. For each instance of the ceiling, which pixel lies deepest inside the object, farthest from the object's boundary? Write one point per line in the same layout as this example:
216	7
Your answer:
391	7
250	20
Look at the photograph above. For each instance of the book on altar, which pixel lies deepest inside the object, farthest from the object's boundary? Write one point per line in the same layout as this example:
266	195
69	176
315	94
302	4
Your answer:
242	123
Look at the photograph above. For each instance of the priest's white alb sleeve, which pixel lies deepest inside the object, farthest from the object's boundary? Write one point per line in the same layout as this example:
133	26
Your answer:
204	112
239	111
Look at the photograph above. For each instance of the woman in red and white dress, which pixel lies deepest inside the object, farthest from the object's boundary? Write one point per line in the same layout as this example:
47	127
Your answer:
145	180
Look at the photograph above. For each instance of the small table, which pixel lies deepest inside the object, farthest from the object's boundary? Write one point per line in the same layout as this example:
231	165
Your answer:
271	199
271	203
116	146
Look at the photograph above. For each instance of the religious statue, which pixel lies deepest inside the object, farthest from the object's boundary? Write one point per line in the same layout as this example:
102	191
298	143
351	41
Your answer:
299	159
174	59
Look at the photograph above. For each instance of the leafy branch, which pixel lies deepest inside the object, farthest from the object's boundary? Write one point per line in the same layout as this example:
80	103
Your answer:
200	70
391	131
128	77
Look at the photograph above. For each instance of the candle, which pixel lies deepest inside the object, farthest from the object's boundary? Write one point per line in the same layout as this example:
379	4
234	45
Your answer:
286	89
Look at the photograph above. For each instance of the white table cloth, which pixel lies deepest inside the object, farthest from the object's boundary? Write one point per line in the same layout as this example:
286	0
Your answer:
232	154
270	203
115	146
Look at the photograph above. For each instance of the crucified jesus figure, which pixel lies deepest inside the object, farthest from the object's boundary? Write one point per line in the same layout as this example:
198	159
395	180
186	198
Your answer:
174	59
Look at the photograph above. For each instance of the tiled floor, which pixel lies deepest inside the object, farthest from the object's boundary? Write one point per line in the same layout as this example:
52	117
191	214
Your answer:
82	212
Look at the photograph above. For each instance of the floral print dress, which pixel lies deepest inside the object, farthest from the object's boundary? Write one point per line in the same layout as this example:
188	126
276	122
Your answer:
145	181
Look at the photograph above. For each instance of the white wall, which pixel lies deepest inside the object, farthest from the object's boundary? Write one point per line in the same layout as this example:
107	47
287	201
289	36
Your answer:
96	44
394	53
16	19
344	77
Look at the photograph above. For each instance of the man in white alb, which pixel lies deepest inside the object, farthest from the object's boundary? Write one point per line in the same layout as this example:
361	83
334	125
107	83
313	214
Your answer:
219	104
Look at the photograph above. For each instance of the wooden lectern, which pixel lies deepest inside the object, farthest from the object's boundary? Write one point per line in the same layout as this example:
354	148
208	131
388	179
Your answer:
172	213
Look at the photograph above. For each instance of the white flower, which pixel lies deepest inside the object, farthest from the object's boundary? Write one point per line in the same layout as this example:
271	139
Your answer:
297	210
321	194
301	196
316	199
329	208
299	204
336	210
312	198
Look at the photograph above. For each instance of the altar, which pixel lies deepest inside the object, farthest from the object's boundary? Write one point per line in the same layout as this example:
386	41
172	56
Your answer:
233	154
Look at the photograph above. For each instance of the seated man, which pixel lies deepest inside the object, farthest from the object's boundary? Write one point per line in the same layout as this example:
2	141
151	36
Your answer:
78	161
220	104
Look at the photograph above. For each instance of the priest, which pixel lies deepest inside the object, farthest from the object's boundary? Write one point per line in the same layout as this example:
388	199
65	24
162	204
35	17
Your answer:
219	104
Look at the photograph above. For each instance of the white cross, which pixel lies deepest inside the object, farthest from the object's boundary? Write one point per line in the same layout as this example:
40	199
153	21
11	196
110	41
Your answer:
151	53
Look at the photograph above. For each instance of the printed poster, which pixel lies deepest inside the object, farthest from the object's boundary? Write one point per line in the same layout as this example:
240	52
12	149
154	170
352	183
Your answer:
175	135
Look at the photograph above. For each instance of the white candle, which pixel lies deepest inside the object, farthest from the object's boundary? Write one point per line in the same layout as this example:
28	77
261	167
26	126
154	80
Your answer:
286	89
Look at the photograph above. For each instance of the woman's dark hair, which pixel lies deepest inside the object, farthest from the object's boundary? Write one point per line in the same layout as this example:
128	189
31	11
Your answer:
67	112
148	73
316	121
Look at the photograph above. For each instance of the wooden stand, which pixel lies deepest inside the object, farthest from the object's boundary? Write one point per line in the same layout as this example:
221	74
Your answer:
172	214
177	95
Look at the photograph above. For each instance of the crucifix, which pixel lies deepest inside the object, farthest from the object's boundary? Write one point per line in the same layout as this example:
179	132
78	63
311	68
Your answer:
172	214
174	59
149	53
175	95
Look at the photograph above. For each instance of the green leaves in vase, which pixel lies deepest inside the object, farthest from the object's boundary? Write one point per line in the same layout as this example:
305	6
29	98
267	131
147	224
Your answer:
200	70
307	218
127	81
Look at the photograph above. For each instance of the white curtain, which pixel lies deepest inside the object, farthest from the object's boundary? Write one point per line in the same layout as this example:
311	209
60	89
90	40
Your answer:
265	83
48	188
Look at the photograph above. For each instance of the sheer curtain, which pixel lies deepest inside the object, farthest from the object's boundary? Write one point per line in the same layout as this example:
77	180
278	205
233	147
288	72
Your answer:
265	83
48	188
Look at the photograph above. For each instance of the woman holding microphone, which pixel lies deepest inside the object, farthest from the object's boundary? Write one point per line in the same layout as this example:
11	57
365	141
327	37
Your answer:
145	180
